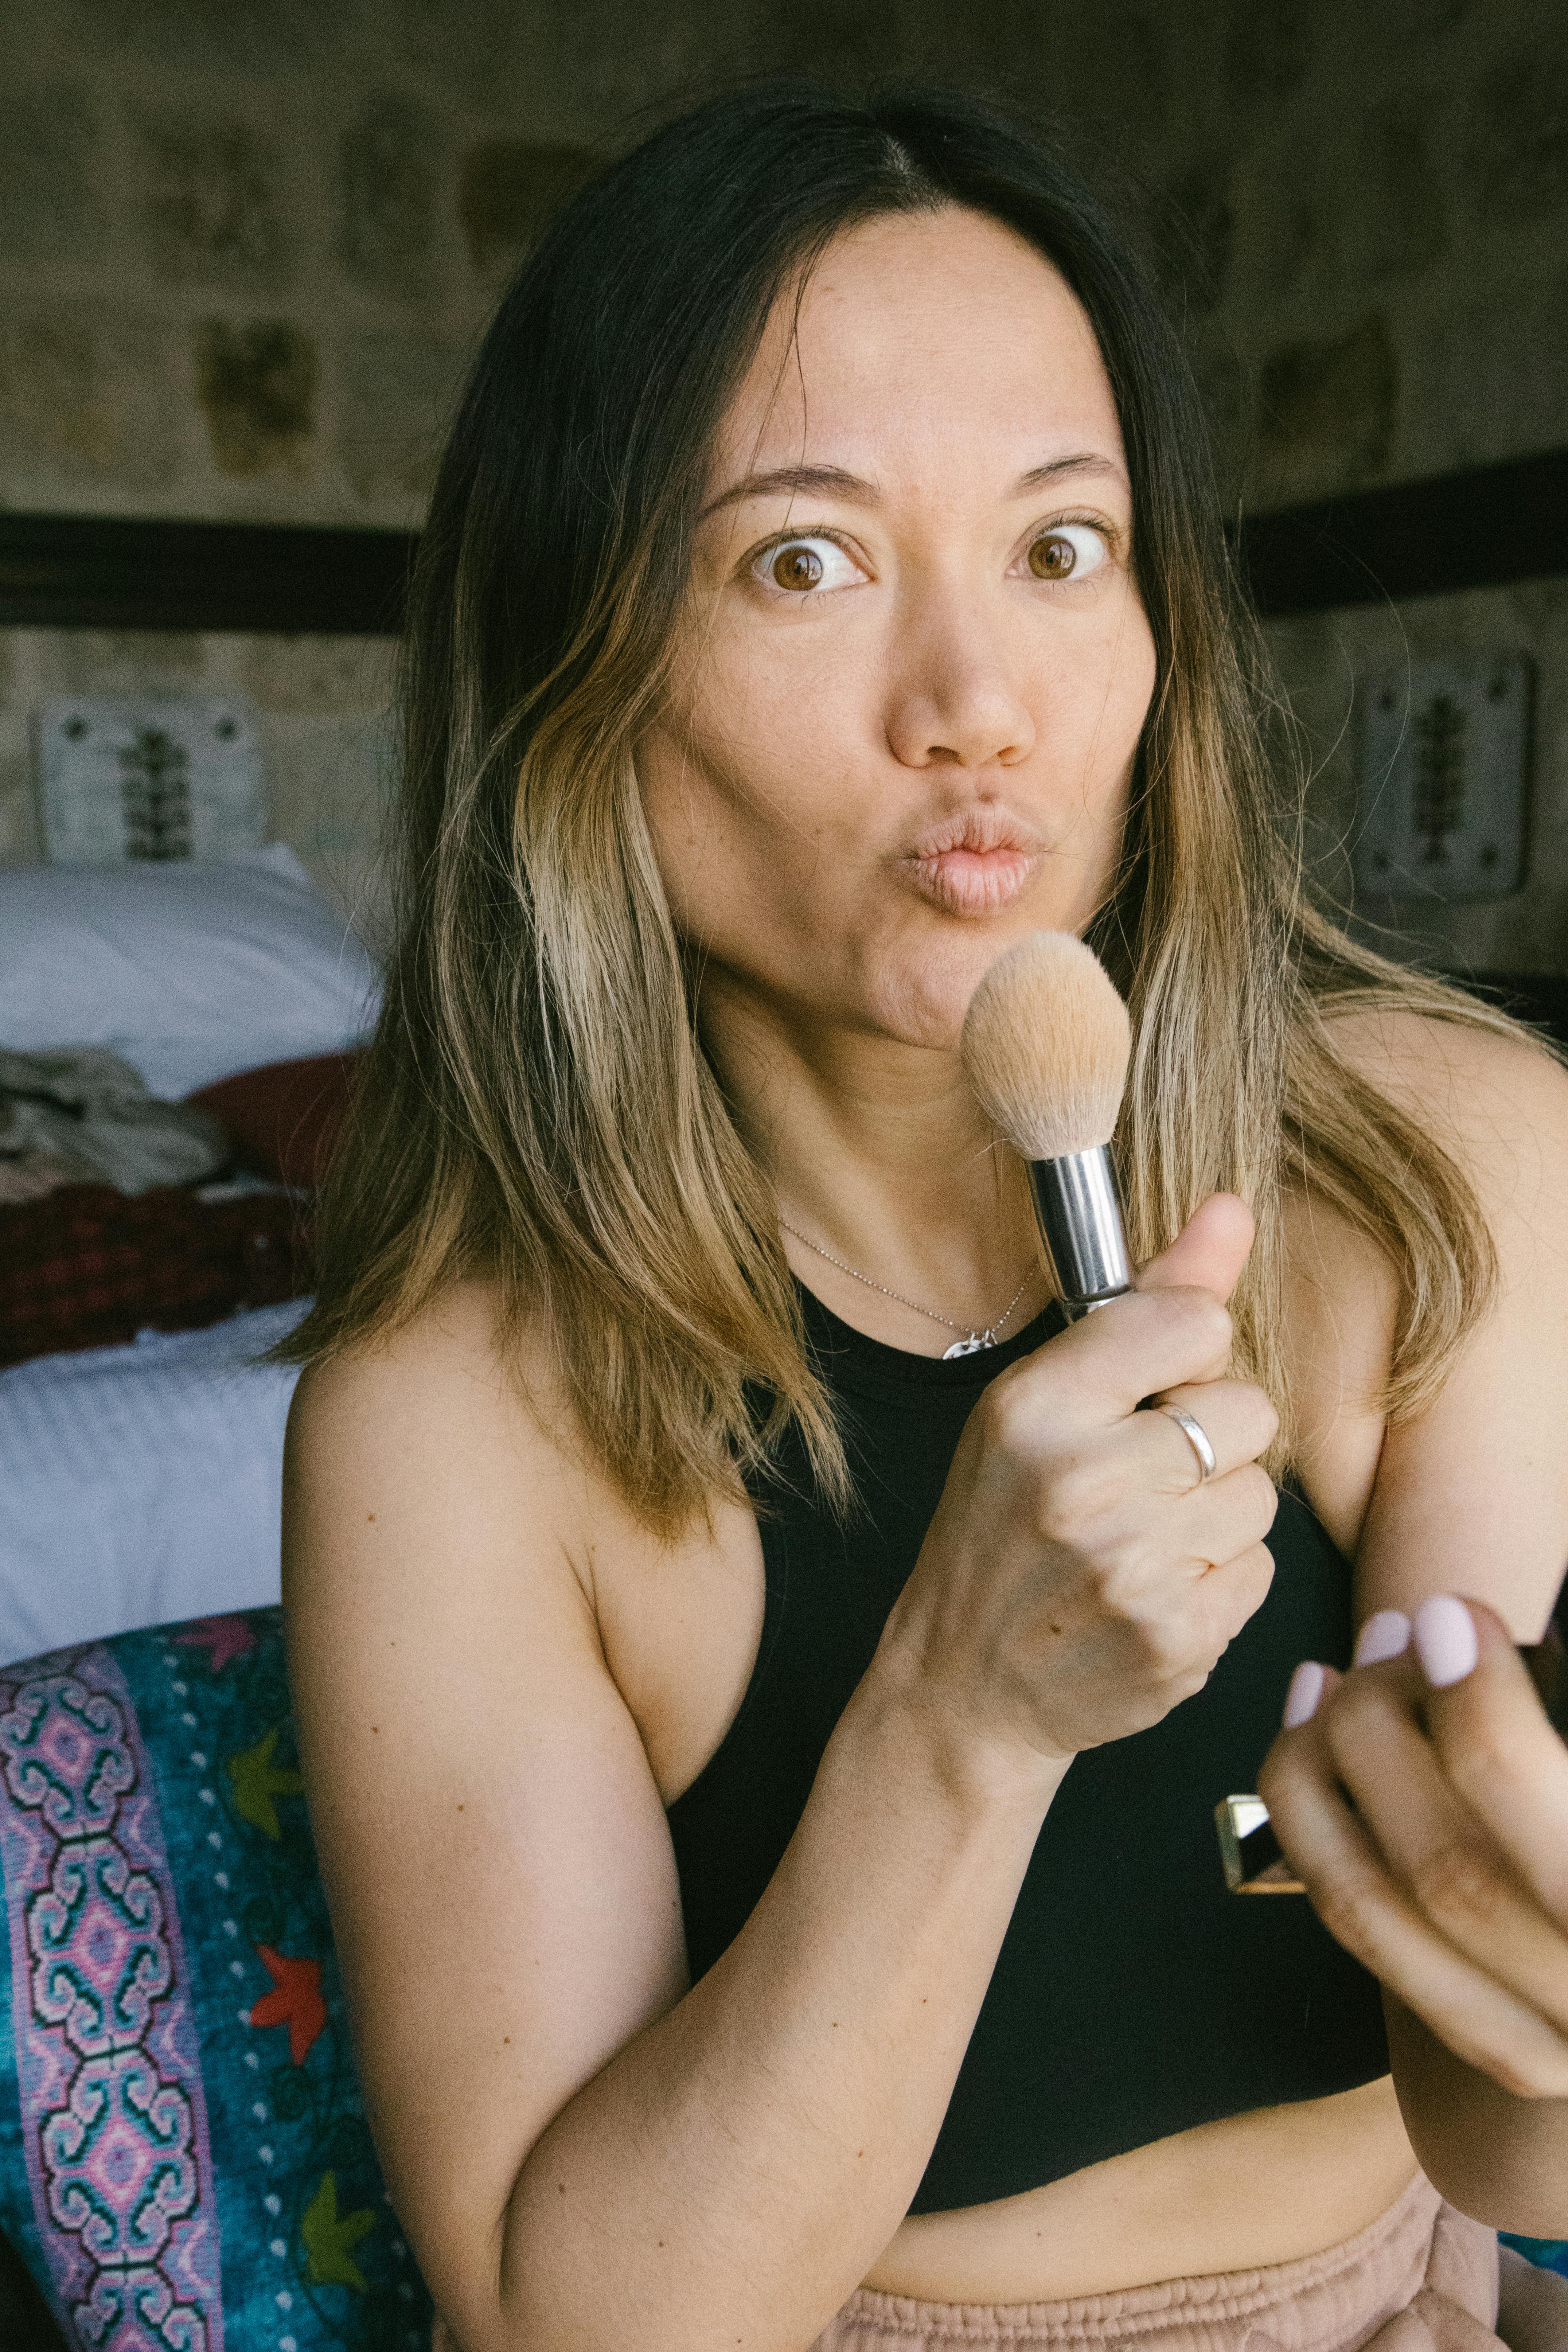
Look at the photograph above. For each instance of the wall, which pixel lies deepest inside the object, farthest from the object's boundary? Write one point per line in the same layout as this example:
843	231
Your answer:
246	246
1385	195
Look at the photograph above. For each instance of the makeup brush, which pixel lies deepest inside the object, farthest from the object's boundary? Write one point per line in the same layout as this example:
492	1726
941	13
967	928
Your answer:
1045	1044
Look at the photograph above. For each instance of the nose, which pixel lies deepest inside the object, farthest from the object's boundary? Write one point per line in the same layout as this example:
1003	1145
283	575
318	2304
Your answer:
958	698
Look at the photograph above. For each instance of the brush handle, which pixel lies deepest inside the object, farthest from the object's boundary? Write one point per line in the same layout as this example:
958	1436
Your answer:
1079	1211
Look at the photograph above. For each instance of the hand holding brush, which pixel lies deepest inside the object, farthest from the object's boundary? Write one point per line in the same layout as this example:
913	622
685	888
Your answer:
1045	1046
1079	1579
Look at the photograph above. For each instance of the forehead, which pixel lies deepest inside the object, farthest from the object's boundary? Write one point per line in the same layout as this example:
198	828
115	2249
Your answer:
923	332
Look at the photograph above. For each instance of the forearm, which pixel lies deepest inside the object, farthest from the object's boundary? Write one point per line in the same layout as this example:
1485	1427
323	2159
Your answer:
1502	2160
734	2171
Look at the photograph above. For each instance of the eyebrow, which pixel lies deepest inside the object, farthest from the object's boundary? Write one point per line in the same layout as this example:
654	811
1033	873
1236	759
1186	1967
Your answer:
835	481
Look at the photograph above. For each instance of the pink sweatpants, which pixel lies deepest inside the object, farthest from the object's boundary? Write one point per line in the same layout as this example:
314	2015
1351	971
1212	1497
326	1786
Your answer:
1421	2278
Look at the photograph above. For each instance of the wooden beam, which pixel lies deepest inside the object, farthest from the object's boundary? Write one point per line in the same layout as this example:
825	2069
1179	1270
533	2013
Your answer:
102	571
1485	527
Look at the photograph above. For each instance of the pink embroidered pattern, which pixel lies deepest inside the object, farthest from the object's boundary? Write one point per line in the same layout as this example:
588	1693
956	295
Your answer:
112	2113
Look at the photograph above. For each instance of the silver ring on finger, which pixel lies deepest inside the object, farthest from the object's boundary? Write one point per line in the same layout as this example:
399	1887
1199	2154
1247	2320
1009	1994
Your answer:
1197	1437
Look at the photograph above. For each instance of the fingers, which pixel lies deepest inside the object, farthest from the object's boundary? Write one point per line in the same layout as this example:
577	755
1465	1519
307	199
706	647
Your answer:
1442	1855
1172	1329
1429	1825
1236	1417
1227	1516
1229	1594
1338	1855
1146	1343
1209	1252
1496	1745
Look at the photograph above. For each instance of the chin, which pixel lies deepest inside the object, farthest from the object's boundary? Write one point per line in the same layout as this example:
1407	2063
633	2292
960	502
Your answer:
923	1000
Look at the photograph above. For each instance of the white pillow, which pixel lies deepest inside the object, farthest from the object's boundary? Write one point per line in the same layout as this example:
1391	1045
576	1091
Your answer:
190	973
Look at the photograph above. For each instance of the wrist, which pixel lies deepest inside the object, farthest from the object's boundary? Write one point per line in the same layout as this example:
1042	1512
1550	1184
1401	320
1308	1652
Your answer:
938	1738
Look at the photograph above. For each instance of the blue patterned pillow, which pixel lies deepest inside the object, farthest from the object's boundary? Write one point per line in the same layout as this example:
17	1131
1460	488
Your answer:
184	2165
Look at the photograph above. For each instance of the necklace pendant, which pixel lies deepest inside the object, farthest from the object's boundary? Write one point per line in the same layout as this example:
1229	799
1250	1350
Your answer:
970	1346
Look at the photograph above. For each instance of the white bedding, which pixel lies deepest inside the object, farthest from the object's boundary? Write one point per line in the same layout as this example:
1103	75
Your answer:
142	1485
189	972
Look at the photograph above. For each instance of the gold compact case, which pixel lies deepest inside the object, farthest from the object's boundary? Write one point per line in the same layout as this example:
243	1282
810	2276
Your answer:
1247	1845
1250	1851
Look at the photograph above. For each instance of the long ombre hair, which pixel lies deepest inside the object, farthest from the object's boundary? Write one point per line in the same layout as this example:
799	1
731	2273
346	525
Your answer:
537	1106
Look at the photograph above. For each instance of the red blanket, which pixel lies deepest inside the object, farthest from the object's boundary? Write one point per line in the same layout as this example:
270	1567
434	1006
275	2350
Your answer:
88	1267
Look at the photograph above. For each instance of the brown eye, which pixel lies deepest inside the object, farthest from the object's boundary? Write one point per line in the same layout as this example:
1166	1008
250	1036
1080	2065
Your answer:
798	566
1052	556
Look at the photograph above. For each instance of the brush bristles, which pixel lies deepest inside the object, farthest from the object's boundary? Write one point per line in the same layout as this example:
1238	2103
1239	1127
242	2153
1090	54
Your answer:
1046	1045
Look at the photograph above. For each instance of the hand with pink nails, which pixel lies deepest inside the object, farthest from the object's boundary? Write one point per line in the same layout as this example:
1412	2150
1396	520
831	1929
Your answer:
1422	1798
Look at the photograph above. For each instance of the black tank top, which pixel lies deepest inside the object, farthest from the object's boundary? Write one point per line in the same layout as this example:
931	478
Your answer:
1133	1995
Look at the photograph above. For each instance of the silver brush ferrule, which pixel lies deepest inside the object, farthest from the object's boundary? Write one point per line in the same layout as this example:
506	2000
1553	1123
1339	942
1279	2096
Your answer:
1078	1212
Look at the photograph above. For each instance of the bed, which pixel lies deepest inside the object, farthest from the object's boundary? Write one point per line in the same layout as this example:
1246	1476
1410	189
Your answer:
142	1478
141	1483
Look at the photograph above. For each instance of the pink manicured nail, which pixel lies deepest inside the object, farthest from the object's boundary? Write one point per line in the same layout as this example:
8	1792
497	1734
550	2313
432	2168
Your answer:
1385	1634
1445	1640
1301	1698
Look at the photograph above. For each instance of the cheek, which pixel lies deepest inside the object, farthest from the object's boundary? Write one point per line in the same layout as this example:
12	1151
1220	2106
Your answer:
1112	700
738	802
690	822
746	762
1142	675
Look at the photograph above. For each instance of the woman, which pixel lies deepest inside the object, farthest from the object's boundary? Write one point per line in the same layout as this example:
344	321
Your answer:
763	1771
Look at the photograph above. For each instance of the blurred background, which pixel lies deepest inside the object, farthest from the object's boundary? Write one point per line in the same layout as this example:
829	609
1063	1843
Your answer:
246	248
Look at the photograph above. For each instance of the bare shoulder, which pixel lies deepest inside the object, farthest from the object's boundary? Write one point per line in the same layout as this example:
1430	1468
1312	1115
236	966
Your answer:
436	1533
492	1842
1420	1503
1496	1103
439	1424
451	1362
1493	1099
1499	1107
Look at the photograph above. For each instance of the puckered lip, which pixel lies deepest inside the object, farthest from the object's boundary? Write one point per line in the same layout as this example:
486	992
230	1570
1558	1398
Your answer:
978	831
976	862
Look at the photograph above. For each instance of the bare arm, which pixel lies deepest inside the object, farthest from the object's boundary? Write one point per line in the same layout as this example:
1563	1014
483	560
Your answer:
1503	2158
569	2134
734	2171
572	2137
1472	1498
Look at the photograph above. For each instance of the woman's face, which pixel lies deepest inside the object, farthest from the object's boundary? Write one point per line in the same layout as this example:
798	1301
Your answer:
914	666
